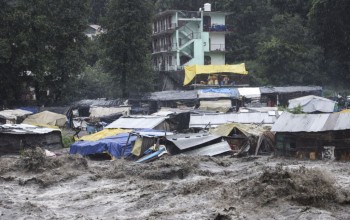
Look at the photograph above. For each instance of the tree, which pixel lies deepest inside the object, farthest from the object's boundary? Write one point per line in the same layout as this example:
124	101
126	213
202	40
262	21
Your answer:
127	45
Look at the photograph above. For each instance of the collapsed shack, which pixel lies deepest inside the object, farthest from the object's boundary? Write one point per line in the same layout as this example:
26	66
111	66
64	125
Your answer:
92	115
15	116
204	144
243	138
178	119
15	138
152	102
313	136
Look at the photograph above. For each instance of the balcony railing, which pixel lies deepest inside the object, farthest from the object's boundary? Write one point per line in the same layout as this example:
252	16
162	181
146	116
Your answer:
217	28
167	68
164	48
217	47
189	14
163	28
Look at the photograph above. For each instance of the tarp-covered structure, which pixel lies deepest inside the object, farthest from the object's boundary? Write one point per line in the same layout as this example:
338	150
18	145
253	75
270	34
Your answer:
46	118
103	134
192	71
141	122
16	137
117	146
312	103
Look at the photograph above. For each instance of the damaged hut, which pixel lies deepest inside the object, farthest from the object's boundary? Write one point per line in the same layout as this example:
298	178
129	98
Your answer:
313	136
14	138
246	138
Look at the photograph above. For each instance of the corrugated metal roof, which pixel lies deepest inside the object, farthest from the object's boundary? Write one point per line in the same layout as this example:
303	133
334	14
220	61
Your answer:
185	141
250	92
98	102
200	121
135	122
211	150
290	89
313	103
13	114
288	122
24	129
171	95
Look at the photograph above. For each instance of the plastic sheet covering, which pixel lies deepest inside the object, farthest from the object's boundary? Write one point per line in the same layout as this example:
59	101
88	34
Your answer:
192	71
103	134
218	93
114	145
46	118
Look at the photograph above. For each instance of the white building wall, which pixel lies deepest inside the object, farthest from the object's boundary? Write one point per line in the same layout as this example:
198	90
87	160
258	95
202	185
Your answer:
217	41
217	58
217	19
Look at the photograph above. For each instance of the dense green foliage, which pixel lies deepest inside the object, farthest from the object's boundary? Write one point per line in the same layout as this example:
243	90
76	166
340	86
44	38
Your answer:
42	44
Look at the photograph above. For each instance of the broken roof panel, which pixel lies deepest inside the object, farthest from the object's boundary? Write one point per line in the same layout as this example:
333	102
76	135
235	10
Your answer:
97	112
200	121
136	122
211	150
290	89
98	102
312	103
288	122
185	141
24	129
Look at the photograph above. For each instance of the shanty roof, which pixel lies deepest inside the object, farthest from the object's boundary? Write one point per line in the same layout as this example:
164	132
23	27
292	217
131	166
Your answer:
24	129
98	112
313	103
98	102
246	129
250	92
218	93
185	141
13	114
289	89
172	95
135	122
200	121
288	122
171	111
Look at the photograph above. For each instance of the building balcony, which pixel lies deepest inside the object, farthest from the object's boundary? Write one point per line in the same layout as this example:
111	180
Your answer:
217	28
164	29
217	48
167	68
186	15
164	48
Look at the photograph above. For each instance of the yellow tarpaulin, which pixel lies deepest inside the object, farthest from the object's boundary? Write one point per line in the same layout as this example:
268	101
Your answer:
103	134
192	71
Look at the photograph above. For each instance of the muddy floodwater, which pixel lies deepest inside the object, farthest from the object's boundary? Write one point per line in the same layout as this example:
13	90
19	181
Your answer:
177	187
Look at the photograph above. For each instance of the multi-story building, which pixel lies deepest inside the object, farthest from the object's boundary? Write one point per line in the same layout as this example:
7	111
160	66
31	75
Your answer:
183	38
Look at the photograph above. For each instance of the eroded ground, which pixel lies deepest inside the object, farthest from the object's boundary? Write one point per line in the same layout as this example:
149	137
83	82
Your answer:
177	187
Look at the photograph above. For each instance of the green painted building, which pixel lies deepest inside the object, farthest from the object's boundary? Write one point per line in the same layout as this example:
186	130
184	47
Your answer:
183	38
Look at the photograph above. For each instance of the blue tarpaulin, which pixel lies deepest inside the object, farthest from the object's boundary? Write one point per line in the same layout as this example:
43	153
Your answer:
114	145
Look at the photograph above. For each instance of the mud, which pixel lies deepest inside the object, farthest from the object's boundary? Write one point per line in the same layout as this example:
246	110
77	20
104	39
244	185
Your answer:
177	187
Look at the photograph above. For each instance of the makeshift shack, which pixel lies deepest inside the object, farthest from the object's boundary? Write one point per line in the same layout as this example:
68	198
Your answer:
16	137
178	119
117	146
279	96
244	138
313	136
46	118
15	116
218	99
313	104
152	102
